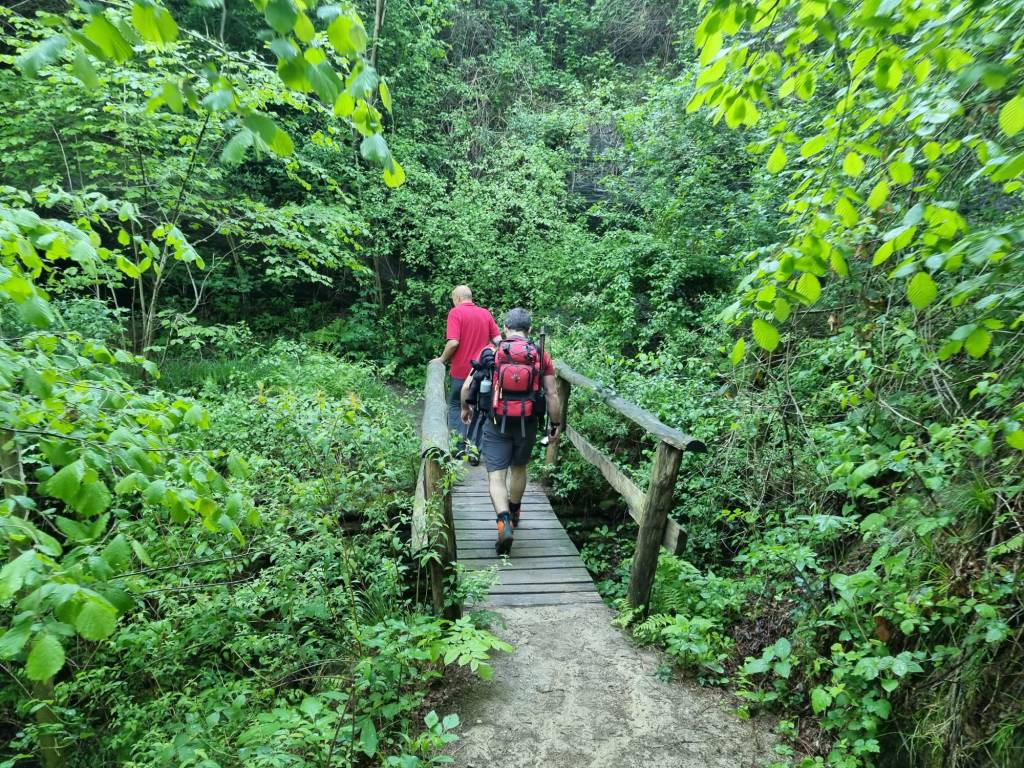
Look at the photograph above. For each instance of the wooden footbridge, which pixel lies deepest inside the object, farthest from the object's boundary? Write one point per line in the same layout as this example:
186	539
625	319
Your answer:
455	522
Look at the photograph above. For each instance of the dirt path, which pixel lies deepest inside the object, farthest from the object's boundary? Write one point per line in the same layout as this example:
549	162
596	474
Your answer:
577	694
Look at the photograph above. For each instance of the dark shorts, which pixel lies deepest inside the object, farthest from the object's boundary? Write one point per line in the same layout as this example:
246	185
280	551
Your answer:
509	448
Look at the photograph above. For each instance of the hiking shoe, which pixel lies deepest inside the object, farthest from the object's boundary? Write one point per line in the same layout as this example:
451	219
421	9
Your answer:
504	543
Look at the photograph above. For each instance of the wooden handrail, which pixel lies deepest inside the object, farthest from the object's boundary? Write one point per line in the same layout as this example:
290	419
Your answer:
648	421
434	436
674	537
648	508
431	488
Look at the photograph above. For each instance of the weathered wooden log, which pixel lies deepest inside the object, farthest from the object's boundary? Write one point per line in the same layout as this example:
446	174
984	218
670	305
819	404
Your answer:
616	478
434	434
634	413
656	505
430	488
674	537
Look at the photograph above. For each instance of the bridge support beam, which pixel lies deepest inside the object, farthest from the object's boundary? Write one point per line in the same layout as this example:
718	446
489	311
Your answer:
656	506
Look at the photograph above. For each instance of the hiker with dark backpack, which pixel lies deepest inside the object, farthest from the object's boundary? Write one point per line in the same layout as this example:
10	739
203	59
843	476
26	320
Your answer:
522	385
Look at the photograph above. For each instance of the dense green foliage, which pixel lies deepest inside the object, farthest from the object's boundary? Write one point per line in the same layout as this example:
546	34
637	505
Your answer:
791	228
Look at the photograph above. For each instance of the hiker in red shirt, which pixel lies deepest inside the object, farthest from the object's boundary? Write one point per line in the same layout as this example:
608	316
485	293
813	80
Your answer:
470	329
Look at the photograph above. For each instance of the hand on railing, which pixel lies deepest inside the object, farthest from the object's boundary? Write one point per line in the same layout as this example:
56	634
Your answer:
553	433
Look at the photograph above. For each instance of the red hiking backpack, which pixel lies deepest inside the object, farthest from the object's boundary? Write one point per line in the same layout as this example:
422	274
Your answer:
517	381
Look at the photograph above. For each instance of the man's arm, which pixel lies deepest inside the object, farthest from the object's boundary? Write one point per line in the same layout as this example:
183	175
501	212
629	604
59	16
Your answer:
449	351
554	403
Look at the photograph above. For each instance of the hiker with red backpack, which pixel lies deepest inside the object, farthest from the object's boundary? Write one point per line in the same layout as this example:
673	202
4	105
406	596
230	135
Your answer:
469	327
521	383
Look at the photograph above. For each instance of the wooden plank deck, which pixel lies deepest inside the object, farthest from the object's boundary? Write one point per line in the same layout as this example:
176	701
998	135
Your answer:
544	567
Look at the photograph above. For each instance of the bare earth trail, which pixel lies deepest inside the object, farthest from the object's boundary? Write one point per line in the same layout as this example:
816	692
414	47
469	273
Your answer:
576	693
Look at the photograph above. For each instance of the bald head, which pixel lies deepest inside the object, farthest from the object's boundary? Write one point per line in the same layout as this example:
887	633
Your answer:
461	294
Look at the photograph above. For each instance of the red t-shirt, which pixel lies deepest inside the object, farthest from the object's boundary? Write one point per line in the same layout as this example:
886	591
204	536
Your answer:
473	327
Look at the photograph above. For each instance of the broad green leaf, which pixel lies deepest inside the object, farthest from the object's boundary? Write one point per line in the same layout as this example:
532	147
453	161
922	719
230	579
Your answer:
117	553
782	648
921	290
949	349
324	81
1011	116
127	267
813	145
293	73
888	72
96	619
879	194
901	172
65	484
107	39
141	553
838	263
235	149
777	159
385	95
219	99
394	174
853	164
782	309
846	212
364	83
1016	439
154	24
41	55
978	342
93	499
12	575
739	349
304	29
712	45
345	104
375	149
84	71
35	311
368	738
820	700
347	35
45	659
155	491
808	287
14	639
872	522
281	16
237	466
765	334
279	142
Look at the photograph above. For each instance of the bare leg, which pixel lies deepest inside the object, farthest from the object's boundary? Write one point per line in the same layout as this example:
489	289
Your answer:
517	484
499	493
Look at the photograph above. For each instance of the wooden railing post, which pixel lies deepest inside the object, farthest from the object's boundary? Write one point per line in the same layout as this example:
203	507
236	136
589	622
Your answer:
434	444
564	390
656	506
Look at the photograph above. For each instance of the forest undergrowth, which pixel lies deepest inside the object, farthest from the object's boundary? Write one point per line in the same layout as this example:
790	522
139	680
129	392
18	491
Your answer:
793	229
